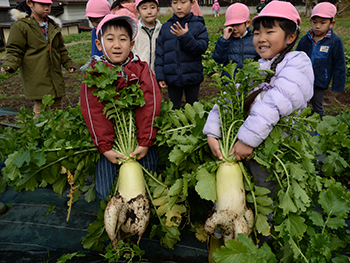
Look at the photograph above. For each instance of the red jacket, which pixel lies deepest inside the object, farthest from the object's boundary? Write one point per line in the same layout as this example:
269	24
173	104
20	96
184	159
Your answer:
100	128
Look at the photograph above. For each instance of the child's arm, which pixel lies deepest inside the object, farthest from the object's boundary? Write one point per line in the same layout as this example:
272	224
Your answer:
112	156
141	151
144	116
66	61
242	151
339	68
290	89
195	44
220	54
15	49
159	61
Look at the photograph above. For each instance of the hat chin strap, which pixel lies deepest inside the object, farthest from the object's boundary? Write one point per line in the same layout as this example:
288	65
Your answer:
34	12
104	50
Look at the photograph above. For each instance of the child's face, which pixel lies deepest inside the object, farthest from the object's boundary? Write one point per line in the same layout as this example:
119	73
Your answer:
148	12
182	8
95	21
238	30
269	42
320	26
42	10
117	44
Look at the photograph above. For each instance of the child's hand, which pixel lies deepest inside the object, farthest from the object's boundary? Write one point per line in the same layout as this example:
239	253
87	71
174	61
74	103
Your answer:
112	156
242	151
71	70
162	84
141	151
227	32
178	30
4	71
214	147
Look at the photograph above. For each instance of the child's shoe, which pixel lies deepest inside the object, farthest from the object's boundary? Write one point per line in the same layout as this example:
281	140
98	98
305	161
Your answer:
214	244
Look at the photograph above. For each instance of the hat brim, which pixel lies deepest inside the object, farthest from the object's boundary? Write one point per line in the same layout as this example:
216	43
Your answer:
272	15
129	20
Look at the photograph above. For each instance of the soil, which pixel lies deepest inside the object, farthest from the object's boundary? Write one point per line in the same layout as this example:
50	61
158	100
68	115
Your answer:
335	103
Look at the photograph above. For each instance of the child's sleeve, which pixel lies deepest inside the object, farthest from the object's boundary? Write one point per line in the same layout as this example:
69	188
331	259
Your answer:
291	88
339	67
212	127
66	61
220	54
159	61
100	128
145	115
195	44
15	47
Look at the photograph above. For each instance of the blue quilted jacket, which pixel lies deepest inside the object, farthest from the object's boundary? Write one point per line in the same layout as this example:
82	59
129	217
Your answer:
179	59
235	49
328	60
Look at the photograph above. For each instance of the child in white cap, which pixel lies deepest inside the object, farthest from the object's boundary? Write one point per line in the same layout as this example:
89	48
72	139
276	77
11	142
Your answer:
115	38
326	52
236	44
276	30
96	10
149	27
36	46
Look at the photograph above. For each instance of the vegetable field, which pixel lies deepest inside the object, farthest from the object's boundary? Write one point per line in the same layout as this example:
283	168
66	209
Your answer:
306	219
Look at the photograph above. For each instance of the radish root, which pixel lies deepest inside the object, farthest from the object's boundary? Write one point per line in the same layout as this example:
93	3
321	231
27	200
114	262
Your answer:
231	212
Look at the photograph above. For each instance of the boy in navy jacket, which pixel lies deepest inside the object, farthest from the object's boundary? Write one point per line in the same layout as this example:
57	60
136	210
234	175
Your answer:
326	52
181	42
236	44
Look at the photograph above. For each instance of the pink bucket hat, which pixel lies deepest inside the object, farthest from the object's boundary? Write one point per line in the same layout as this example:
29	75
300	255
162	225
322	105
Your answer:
138	2
324	10
119	16
43	1
280	9
97	8
236	14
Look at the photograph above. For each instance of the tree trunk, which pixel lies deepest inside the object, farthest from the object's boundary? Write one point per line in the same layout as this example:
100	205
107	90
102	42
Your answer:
308	7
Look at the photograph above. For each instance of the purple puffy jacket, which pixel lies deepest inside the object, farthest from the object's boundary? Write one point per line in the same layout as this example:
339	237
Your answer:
291	89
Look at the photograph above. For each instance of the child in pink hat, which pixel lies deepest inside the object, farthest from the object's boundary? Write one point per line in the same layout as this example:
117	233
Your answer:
276	31
149	27
96	10
115	38
236	44
36	46
326	51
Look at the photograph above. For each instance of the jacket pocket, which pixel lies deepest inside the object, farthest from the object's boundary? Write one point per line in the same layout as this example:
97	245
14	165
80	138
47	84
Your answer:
322	52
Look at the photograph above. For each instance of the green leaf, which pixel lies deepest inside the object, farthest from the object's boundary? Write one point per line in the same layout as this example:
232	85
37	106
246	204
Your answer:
176	188
262	225
334	202
60	185
206	185
316	218
287	204
90	194
243	250
293	224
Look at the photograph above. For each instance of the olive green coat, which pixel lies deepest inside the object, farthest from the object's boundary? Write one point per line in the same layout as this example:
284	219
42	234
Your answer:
40	62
